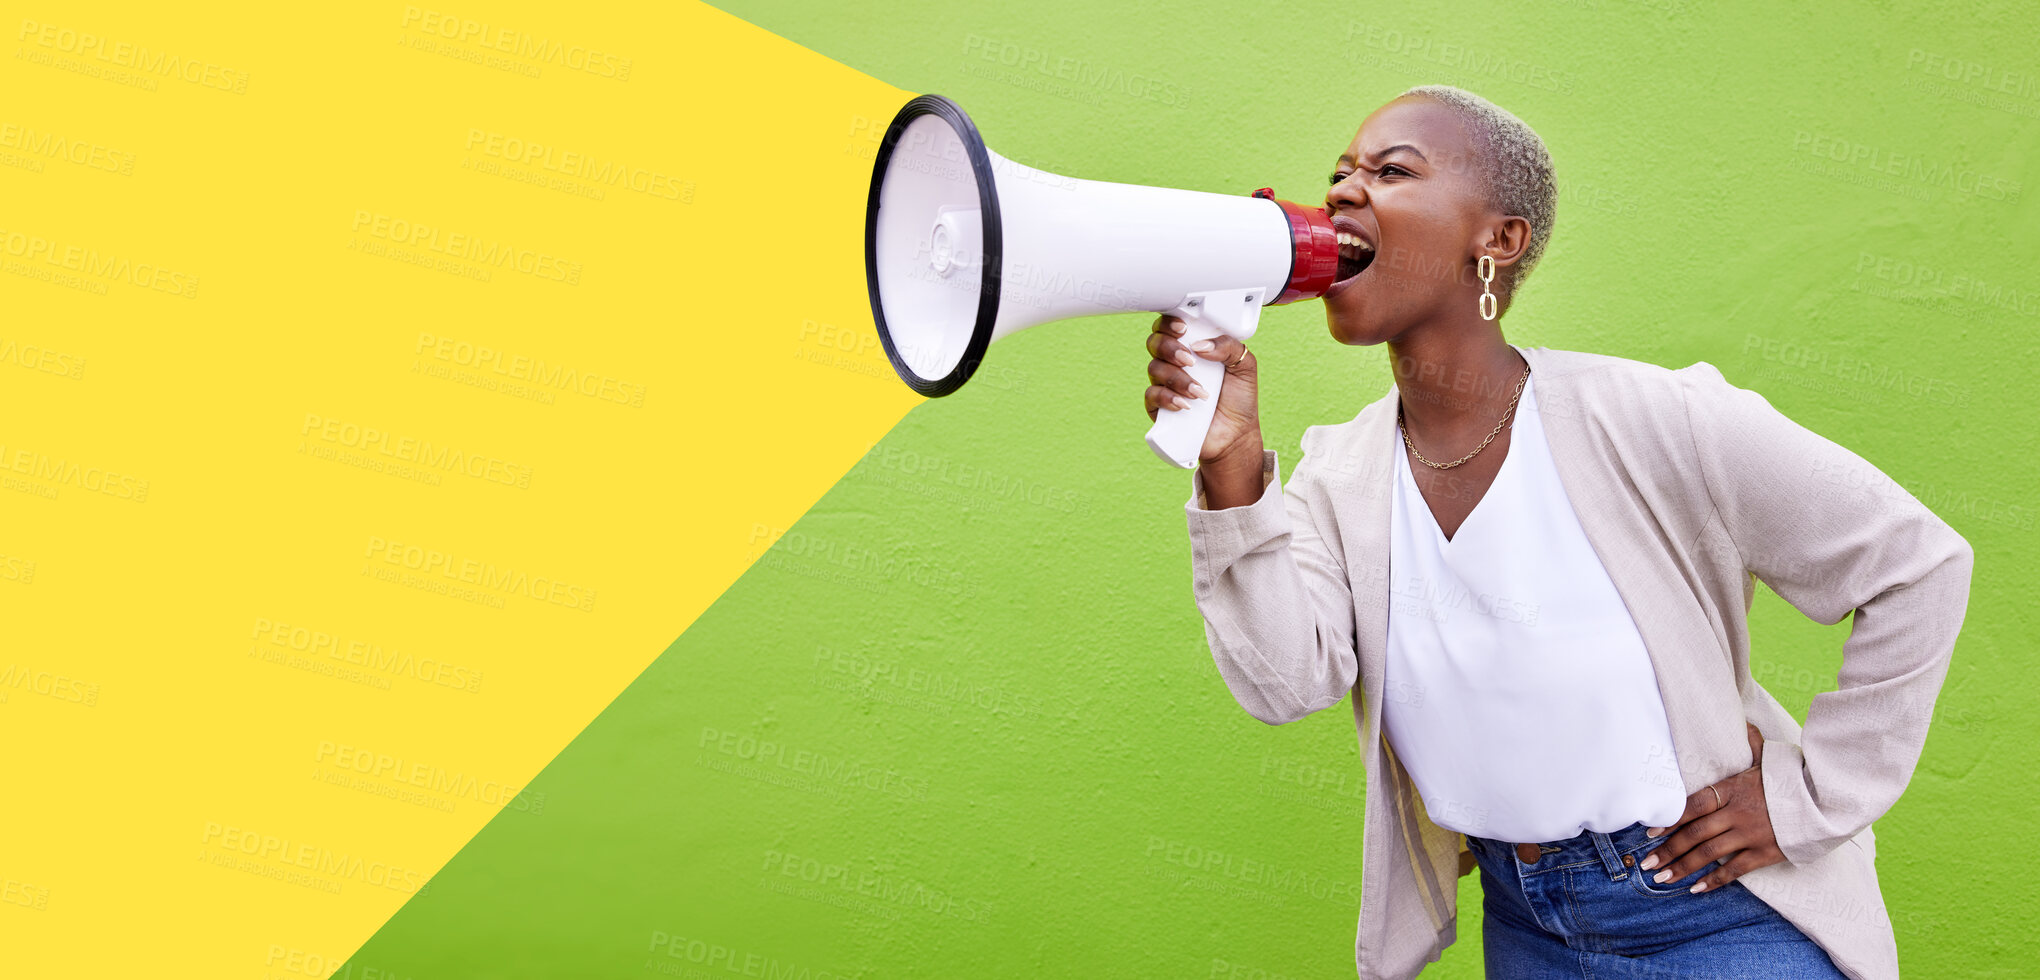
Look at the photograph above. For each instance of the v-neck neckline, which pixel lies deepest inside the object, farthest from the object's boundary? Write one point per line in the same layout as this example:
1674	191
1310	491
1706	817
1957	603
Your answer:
1416	494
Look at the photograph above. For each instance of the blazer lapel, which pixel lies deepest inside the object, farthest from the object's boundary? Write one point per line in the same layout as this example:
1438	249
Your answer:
1371	507
1704	714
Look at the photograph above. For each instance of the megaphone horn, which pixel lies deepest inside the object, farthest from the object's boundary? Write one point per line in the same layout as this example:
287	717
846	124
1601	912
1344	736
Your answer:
963	246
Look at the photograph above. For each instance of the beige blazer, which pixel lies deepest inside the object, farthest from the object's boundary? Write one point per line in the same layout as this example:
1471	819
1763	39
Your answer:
1686	486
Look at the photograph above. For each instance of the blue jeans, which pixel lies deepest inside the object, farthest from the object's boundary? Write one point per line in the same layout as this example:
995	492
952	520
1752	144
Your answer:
1582	910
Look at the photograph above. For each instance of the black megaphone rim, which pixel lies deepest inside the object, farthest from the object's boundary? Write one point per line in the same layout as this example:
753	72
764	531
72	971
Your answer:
988	207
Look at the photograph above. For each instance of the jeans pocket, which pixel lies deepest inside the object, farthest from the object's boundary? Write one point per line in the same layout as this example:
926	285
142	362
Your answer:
1643	882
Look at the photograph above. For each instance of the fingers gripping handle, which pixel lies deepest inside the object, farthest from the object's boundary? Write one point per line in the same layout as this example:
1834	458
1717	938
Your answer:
1178	434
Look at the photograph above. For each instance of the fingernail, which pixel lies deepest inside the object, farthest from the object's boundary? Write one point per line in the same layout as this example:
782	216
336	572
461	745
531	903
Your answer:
1653	831
1176	327
1661	876
1698	886
1649	863
1178	402
1202	345
1186	358
1196	390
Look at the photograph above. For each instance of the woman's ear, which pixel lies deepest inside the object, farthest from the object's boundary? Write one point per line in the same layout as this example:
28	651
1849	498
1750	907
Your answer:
1507	239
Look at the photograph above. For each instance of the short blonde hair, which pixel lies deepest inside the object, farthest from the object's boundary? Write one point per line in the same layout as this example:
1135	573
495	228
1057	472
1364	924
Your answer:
1515	168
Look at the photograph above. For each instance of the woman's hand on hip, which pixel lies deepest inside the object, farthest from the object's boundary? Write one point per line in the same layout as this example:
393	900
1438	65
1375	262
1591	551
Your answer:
1735	831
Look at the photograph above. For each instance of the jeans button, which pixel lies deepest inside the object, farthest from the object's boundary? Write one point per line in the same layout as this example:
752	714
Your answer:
1527	853
1629	860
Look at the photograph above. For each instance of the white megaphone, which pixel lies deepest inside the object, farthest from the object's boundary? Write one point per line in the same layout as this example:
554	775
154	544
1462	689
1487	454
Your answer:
963	246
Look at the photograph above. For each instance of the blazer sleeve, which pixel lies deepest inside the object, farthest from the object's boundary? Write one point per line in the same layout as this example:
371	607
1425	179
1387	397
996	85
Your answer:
1278	612
1831	534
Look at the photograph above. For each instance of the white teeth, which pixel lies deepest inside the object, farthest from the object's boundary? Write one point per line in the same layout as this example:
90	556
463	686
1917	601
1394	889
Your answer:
1348	238
1345	239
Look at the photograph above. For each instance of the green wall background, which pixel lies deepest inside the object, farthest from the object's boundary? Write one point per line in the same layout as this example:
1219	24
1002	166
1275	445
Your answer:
1000	747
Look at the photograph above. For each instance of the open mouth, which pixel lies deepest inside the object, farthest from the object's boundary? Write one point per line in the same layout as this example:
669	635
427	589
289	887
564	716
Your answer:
1355	255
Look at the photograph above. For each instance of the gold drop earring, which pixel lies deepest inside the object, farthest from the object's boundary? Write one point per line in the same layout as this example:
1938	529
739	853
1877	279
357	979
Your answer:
1486	269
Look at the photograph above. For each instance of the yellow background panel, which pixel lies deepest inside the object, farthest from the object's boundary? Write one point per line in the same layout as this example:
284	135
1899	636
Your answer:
380	391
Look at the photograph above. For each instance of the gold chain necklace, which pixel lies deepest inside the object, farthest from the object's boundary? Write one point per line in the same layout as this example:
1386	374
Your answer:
1483	443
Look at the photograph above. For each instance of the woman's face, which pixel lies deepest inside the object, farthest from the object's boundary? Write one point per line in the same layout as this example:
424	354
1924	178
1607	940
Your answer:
1408	186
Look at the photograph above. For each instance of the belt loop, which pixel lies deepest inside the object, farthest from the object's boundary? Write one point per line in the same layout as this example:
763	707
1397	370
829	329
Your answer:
1605	845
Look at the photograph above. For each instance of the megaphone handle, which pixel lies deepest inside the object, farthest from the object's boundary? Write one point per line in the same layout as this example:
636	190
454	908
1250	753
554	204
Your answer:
1178	434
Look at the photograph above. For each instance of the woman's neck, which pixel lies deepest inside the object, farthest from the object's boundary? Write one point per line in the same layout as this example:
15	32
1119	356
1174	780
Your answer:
1454	383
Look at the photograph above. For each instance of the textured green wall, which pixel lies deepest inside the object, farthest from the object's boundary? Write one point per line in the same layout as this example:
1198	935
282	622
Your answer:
999	745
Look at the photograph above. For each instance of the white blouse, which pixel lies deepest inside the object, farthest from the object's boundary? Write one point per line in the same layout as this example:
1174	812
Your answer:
1518	694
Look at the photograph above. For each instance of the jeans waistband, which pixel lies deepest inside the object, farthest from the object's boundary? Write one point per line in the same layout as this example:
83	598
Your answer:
1588	846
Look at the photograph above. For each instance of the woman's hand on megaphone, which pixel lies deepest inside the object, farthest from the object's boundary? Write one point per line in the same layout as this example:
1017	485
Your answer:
1236	422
